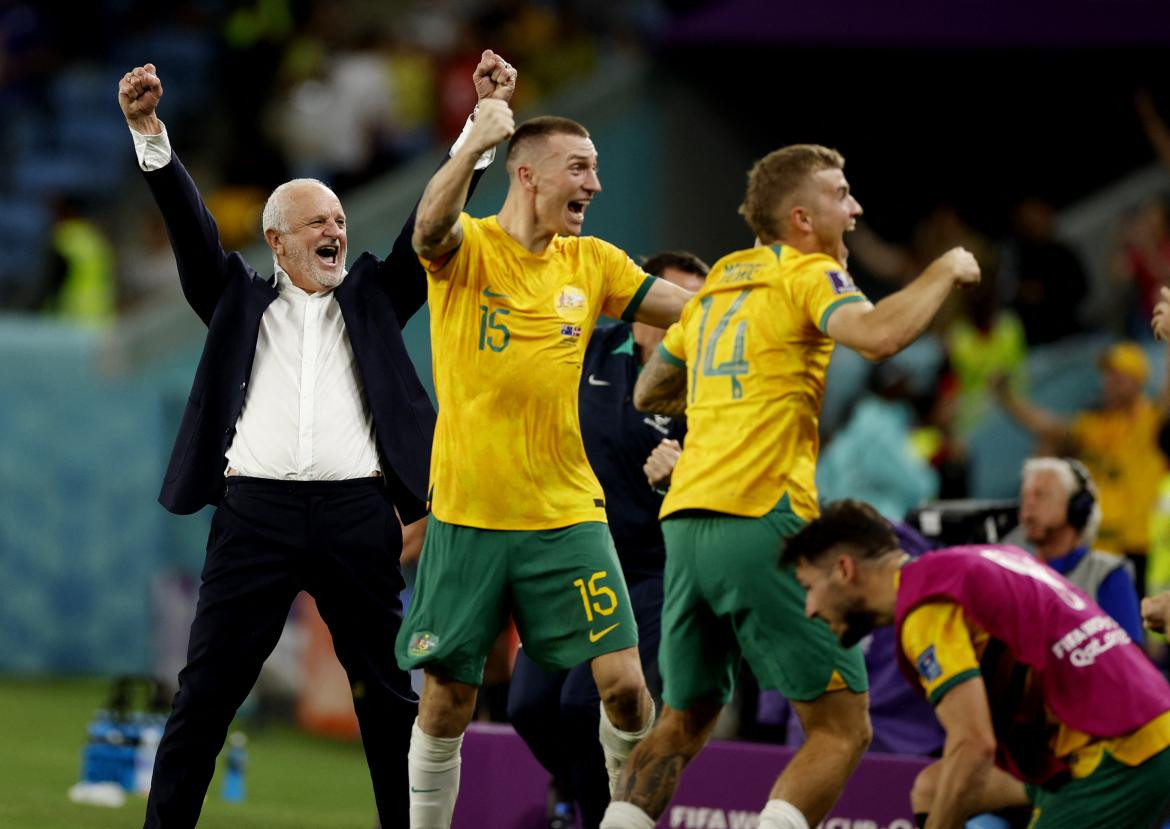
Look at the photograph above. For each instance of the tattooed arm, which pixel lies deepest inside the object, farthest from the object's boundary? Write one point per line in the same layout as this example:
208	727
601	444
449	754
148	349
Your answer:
661	387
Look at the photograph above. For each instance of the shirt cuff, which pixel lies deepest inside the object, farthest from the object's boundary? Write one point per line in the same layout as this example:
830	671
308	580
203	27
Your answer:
154	151
485	159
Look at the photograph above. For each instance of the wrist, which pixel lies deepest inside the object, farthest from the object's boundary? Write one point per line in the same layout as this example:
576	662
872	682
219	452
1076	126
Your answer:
150	125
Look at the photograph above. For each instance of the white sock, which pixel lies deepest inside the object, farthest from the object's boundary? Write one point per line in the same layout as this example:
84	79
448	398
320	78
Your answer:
780	814
622	815
434	778
617	744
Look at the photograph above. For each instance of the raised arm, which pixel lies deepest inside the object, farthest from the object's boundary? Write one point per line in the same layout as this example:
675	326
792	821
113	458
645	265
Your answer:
193	233
403	276
662	385
662	304
968	753
436	229
1157	131
879	331
1048	426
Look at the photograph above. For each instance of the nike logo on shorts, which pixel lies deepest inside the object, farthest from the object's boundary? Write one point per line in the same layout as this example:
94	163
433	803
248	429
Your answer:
593	381
596	636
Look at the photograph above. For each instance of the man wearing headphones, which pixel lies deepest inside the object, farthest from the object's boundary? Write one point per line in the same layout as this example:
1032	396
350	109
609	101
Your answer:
1059	514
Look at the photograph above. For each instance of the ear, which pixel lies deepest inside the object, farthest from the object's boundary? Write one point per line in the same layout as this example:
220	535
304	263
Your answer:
272	237
845	567
800	219
526	176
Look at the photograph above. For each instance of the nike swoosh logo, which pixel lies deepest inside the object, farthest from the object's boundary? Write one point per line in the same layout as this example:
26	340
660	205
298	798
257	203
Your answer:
413	790
594	637
593	381
488	292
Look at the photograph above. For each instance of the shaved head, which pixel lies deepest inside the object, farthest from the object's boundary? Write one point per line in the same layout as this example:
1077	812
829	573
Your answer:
531	137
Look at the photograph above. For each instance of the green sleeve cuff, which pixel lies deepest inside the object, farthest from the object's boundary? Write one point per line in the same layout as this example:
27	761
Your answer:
845	300
639	295
938	693
670	358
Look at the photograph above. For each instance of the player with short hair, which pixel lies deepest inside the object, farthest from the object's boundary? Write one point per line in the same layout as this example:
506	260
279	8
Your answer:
517	516
747	362
1023	668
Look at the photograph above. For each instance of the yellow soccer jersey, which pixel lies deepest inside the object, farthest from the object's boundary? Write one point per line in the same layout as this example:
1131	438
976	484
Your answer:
946	648
755	351
508	335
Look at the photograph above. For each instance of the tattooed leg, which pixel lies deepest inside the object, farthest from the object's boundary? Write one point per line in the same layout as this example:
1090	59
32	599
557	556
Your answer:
651	773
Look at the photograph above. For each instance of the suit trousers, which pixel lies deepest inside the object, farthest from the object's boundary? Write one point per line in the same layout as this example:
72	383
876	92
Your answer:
337	540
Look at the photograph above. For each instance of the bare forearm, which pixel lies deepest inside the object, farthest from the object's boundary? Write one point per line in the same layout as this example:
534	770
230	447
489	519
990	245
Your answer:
963	774
442	201
905	314
661	388
1040	422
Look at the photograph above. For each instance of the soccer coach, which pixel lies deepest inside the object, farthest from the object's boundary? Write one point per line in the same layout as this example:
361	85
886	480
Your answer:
308	427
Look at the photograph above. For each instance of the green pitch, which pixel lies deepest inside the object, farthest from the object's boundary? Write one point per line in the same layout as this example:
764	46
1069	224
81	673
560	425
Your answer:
294	781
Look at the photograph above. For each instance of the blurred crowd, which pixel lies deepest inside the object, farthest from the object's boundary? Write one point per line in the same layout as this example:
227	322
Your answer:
261	91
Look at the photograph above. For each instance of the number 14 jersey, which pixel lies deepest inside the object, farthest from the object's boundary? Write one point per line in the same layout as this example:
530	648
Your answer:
755	351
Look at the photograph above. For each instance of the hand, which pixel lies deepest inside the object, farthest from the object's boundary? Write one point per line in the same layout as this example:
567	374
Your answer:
139	92
1001	386
493	123
961	264
1156	612
494	77
1161	321
660	464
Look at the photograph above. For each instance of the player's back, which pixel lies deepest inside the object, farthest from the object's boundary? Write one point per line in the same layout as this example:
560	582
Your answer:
756	354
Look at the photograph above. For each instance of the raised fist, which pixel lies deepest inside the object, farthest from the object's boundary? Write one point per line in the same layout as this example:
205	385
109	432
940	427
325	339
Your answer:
139	92
494	77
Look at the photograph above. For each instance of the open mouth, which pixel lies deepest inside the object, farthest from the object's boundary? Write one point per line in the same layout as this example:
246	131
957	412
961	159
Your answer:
328	254
577	209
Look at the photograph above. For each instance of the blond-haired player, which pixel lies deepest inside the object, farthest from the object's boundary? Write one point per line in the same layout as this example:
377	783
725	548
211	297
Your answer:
517	516
747	362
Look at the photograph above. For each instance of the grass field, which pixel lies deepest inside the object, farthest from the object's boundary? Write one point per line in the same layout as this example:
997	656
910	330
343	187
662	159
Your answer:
294	780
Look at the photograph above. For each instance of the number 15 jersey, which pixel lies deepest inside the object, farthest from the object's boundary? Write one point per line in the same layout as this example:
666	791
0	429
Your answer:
508	335
755	351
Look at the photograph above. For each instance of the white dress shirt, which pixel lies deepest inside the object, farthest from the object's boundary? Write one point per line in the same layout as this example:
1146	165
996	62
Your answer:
305	415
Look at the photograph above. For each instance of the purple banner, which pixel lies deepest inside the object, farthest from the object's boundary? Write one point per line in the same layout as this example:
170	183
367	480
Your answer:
503	787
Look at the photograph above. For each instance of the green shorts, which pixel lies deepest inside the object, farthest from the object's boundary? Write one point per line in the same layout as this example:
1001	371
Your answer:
726	596
1117	796
563	587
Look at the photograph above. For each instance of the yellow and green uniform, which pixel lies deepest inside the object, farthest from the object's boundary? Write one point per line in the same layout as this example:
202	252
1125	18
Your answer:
755	352
510	482
1112	778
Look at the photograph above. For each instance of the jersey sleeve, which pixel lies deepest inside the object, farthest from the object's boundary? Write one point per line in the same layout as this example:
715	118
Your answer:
452	265
937	642
822	287
625	284
673	347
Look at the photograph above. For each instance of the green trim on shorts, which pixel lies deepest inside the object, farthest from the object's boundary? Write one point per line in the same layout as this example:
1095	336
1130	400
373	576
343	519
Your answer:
1116	795
636	300
938	693
726	597
563	587
845	300
670	358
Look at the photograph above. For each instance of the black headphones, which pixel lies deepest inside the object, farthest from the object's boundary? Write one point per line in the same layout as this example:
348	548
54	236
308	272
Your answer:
1081	502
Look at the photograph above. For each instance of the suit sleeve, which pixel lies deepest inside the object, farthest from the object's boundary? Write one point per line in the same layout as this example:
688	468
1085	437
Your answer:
404	275
193	234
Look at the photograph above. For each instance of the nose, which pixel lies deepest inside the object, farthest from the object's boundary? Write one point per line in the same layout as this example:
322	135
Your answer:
809	610
593	183
856	209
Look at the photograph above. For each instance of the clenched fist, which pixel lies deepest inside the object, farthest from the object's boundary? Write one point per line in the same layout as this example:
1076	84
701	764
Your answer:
493	123
962	266
494	77
139	92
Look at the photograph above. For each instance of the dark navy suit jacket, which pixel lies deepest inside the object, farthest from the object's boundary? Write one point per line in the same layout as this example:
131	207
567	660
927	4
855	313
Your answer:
377	298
